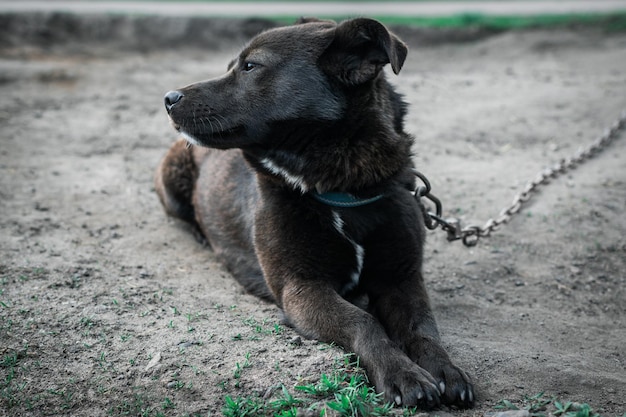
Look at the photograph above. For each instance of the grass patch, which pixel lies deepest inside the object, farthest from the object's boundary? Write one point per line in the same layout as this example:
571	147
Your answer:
144	404
10	376
345	392
262	328
540	405
610	21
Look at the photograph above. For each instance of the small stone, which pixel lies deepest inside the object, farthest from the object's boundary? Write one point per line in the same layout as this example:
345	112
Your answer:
509	413
155	359
296	341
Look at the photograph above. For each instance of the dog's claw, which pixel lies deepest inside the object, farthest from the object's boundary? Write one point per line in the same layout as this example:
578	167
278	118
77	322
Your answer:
463	395
398	400
442	387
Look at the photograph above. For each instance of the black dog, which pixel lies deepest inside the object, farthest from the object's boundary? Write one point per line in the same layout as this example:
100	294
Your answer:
310	205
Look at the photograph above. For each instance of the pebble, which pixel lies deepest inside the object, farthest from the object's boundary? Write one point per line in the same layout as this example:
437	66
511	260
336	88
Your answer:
509	413
155	359
186	344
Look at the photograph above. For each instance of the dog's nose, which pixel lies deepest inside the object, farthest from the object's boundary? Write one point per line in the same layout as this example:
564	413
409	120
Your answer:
171	98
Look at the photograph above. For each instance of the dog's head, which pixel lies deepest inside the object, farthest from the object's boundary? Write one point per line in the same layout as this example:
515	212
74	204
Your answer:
295	73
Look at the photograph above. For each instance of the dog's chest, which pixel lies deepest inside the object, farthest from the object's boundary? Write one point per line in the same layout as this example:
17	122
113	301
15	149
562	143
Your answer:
359	253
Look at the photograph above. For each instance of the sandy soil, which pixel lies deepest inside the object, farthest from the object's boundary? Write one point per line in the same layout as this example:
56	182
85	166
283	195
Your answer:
108	307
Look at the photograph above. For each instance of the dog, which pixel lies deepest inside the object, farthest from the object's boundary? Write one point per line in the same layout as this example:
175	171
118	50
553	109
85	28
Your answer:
300	182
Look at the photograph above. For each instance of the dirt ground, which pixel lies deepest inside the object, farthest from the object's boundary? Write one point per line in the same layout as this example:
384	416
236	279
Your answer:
107	307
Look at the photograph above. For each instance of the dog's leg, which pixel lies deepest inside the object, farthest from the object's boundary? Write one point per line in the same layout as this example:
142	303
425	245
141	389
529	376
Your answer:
404	312
393	280
316	310
306	263
398	299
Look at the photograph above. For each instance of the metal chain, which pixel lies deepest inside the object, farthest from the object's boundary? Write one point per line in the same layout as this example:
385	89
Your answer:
471	235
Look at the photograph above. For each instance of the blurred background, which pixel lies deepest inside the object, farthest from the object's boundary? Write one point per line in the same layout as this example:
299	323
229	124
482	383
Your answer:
109	308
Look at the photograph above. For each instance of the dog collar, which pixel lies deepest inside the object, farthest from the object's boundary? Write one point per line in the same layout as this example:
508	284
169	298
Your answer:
343	199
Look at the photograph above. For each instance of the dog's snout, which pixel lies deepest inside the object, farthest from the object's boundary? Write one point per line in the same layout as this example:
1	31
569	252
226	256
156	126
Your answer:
171	98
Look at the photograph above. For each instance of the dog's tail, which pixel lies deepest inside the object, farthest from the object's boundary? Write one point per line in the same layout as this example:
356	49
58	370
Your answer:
175	180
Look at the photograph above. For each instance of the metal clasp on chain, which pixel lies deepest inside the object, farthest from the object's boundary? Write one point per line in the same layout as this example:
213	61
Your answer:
432	220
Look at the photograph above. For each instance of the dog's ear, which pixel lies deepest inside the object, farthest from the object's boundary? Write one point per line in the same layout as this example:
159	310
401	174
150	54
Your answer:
360	49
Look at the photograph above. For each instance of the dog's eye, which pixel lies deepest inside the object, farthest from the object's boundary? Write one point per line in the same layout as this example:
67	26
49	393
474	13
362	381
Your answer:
249	66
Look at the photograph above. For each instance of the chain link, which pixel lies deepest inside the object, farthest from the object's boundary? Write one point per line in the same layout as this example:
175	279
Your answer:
470	235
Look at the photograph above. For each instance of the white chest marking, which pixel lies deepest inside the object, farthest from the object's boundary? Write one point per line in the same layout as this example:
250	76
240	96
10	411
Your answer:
359	253
295	180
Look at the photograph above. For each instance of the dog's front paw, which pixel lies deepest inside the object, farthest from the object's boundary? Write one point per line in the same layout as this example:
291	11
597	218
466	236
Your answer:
455	386
407	384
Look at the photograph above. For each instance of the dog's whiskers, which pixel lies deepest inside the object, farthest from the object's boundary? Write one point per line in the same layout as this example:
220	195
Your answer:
202	120
219	123
207	119
220	130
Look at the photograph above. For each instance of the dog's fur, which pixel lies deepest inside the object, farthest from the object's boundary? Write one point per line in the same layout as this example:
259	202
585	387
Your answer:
306	109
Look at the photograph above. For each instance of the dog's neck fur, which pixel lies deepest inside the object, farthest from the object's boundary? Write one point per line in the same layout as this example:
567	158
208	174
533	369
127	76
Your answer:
361	161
